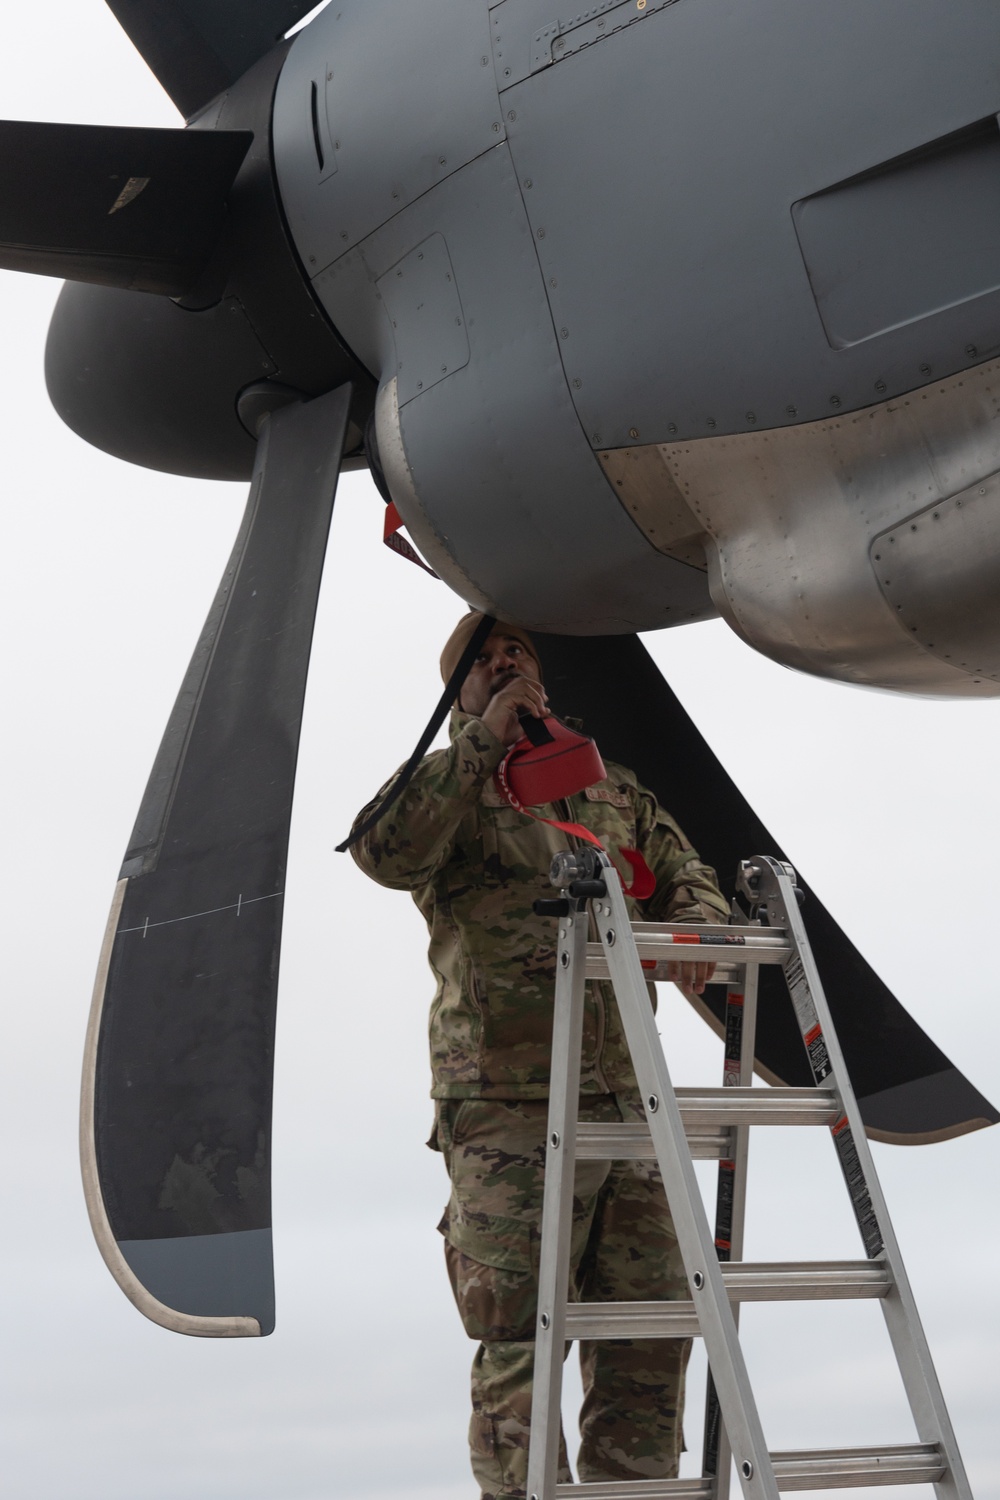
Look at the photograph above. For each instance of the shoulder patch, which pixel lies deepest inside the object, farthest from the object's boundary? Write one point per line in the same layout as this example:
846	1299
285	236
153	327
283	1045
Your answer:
606	794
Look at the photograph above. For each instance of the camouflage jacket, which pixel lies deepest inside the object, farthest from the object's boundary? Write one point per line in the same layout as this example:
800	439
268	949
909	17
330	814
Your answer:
474	866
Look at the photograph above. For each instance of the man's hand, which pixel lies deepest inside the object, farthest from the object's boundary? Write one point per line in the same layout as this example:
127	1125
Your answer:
690	976
519	695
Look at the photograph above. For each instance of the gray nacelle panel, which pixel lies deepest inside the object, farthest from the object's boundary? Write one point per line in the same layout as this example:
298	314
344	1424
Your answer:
527	36
421	300
376	103
940	572
865	547
659	166
488	464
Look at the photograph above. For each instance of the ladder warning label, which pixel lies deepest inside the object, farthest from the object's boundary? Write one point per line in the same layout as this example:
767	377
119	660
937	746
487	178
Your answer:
819	1058
843	1139
805	1014
722	939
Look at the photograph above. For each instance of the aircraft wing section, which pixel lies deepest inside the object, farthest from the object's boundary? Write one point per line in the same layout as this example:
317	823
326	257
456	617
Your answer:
197	48
908	1090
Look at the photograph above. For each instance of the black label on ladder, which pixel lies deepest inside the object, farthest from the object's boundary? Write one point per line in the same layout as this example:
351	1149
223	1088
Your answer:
843	1139
734	1039
724	1210
713	1430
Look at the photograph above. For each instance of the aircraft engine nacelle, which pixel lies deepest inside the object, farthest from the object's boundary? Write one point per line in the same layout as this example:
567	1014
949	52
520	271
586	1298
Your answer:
656	308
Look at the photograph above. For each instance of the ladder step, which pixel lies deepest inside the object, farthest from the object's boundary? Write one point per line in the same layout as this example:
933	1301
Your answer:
765	1106
805	1281
709	1115
817	1468
849	1468
745	1281
662	943
632	1320
639	1489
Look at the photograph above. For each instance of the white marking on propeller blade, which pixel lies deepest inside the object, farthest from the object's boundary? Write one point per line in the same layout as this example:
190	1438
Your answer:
130	191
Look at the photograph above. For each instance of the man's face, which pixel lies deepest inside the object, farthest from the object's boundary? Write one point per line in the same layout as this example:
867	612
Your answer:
501	658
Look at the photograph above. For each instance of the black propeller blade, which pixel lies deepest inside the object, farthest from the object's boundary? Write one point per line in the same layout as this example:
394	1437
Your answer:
908	1090
176	1108
197	48
140	209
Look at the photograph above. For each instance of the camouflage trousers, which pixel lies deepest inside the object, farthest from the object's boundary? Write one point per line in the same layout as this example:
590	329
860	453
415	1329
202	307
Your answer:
623	1250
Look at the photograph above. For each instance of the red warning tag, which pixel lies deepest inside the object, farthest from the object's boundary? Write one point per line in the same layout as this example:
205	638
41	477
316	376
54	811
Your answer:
391	537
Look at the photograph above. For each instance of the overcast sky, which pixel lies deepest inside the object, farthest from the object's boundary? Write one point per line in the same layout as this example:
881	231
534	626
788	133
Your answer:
889	806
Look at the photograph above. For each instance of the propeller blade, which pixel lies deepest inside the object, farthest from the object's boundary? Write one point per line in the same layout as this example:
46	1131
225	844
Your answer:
135	208
176	1103
197	48
907	1089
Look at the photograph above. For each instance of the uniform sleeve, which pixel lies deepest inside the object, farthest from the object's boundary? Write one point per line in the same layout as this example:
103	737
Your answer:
686	888
416	837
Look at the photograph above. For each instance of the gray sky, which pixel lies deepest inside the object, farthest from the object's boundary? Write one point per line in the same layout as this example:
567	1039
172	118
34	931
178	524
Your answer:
888	805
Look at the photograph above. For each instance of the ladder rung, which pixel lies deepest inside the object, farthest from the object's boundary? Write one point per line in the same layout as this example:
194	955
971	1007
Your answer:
848	1468
716	935
750	1106
708	1115
633	1142
629	1142
805	1281
632	1320
745	1281
730	948
753	930
639	1489
817	1468
728	961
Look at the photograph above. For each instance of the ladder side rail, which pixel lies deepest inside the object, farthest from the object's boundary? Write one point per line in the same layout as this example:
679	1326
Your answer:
694	1237
906	1333
741	1008
743	1079
557	1207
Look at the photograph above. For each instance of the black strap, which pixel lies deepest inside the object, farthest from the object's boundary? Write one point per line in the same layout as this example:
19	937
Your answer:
535	730
451	691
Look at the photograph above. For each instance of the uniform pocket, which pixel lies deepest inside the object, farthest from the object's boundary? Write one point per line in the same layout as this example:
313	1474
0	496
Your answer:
497	1165
447	1132
491	1239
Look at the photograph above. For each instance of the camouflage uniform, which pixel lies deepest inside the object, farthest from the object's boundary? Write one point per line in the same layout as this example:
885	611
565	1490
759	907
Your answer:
474	866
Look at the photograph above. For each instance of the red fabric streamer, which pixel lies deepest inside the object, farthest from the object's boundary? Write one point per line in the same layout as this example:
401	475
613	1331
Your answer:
643	880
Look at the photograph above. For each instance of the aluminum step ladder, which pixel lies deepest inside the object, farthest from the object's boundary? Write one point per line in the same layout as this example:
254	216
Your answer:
684	1124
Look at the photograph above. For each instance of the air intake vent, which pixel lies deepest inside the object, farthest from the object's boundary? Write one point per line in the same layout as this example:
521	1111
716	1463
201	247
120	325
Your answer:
907	239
